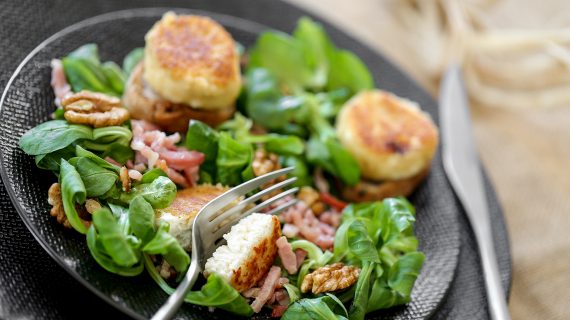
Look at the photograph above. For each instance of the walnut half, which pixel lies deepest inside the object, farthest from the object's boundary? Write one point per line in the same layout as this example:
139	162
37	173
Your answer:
264	163
94	109
84	211
330	278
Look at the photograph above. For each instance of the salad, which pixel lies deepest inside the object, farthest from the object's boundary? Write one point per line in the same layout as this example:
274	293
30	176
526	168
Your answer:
137	150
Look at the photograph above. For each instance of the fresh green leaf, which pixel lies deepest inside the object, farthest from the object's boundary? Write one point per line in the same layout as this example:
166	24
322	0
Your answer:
80	152
165	244
284	56
360	302
405	271
152	175
347	168
382	297
216	293
348	71
51	161
112	239
53	135
96	179
59	114
141	218
72	191
301	170
294	292
360	243
231	160
132	59
121	214
159	193
84	74
88	52
280	144
318	48
392	218
203	138
315	309
99	254
119	153
115	75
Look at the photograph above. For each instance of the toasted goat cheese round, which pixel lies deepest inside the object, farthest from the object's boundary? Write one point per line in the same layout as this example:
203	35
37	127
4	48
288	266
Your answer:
181	213
389	137
250	252
192	60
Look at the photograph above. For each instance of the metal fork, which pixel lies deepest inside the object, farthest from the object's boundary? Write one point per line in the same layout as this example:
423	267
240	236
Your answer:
205	236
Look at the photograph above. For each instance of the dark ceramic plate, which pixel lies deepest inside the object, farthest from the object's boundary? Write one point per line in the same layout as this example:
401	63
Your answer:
28	101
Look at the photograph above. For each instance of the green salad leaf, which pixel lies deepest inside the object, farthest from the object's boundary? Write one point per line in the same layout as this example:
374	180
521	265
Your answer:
159	193
72	191
97	180
141	219
231	160
81	152
165	244
201	137
52	160
119	152
53	135
216	293
327	307
112	239
100	255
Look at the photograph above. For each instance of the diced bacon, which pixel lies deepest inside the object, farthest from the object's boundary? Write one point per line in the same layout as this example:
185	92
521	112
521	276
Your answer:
280	294
139	158
267	289
285	301
324	241
130	164
172	140
136	175
177	178
146	125
305	229
140	167
137	144
281	281
150	155
262	280
58	81
271	300
112	161
327	229
182	158
300	254
278	203
290	230
192	175
288	258
251	293
278	311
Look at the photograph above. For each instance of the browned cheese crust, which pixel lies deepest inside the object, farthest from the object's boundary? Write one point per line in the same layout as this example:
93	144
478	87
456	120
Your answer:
172	117
248	275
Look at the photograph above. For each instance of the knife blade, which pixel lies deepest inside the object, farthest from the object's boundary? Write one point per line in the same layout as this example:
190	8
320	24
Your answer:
462	166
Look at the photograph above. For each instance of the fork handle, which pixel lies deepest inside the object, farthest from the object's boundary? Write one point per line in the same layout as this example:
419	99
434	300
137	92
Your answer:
171	306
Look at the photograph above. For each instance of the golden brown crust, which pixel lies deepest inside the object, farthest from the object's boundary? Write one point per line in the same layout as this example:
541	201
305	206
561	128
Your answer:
365	190
248	275
389	137
172	117
190	201
192	60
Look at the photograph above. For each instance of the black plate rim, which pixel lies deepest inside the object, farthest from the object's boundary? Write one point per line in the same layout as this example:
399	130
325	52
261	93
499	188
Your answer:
226	19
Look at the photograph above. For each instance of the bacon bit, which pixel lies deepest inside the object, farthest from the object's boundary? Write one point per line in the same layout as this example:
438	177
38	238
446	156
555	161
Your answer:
280	294
281	281
288	258
262	280
285	301
271	300
140	167
332	201
300	254
192	175
125	179
146	125
267	289
149	154
112	161
290	230
251	293
278	311
136	175
58	81
326	229
130	165
182	158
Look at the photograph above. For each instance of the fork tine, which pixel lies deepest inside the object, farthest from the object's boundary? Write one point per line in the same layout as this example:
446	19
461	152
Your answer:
244	203
278	210
231	195
222	230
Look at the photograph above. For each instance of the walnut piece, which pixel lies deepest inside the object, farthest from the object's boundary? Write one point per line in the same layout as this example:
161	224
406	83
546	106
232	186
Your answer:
84	211
94	109
330	278
312	198
264	163
125	179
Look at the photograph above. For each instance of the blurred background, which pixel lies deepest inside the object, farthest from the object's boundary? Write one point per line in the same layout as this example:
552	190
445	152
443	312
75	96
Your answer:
515	56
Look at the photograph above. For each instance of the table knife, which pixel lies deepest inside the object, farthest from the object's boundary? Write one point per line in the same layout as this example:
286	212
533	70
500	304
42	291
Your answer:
463	169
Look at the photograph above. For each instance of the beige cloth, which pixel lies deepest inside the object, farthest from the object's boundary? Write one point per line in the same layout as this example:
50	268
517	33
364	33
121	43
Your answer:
526	152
